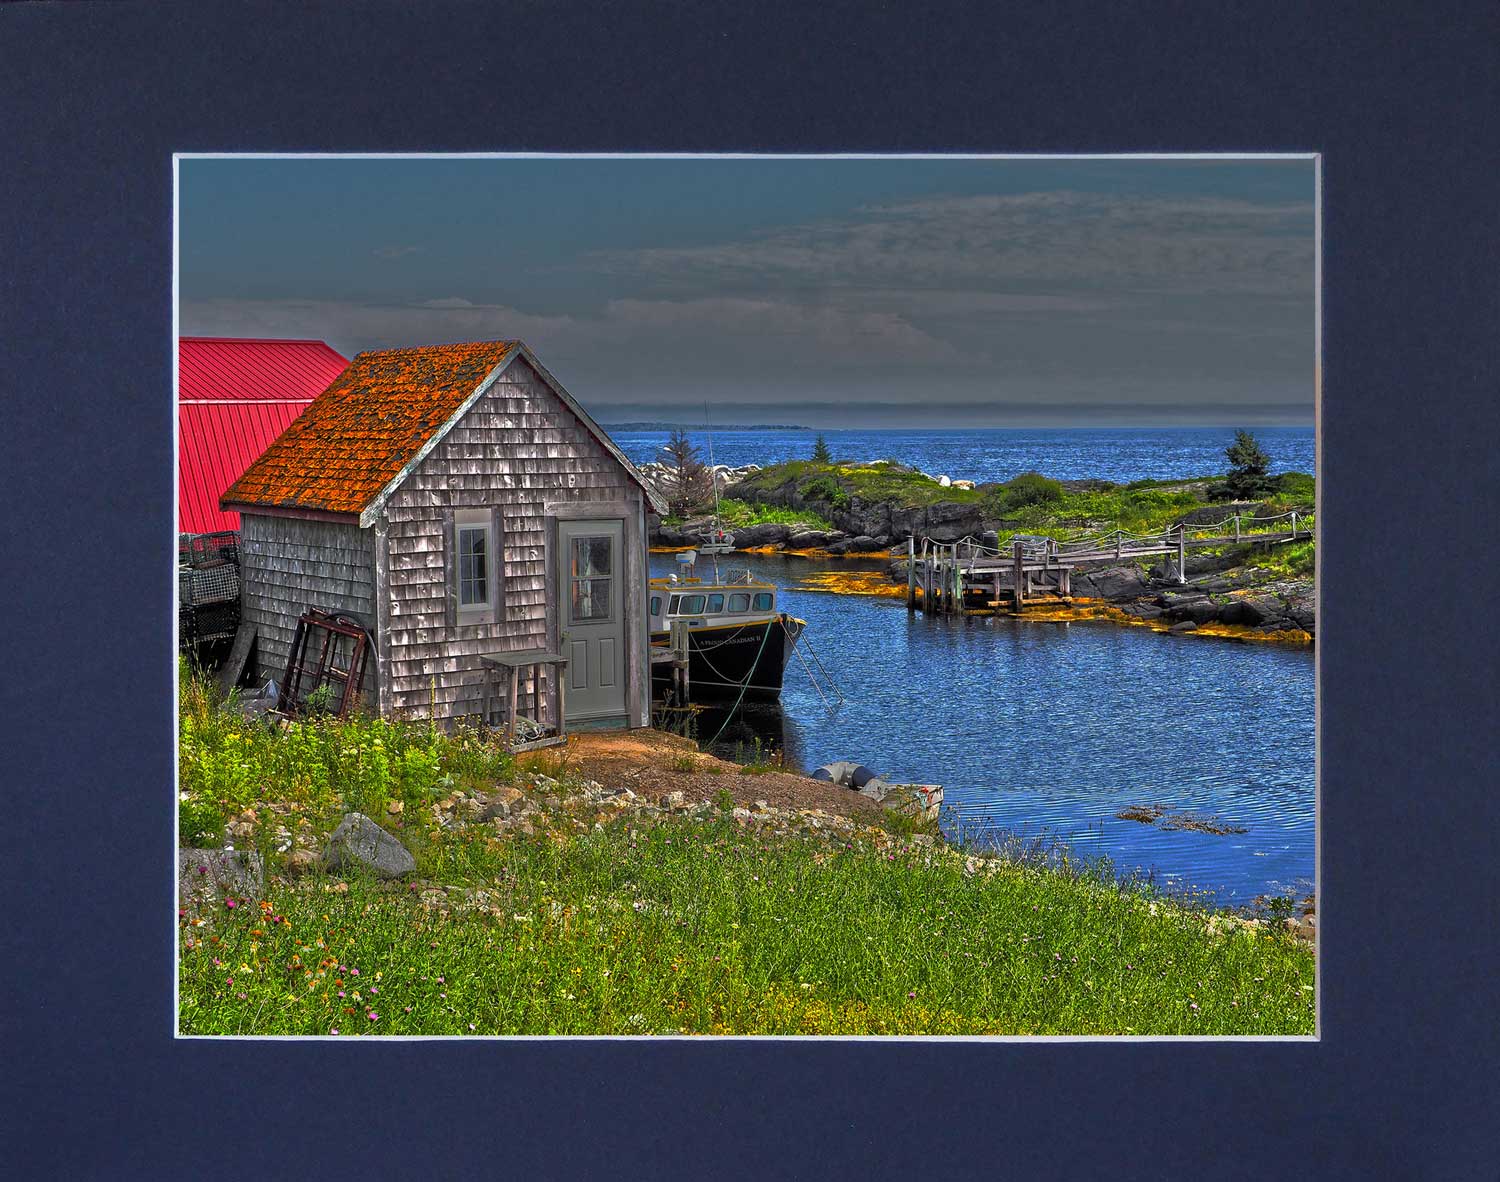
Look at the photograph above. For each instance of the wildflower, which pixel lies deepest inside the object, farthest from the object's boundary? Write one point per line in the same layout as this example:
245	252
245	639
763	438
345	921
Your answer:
374	988
341	993
911	993
354	972
471	1026
1193	1005
231	904
406	1009
373	1016
333	1030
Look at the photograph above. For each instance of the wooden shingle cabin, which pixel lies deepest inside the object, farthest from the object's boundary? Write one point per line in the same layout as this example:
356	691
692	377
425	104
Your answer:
458	502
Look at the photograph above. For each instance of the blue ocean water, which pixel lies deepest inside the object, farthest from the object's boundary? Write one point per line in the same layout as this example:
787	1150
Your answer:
1048	729
1121	454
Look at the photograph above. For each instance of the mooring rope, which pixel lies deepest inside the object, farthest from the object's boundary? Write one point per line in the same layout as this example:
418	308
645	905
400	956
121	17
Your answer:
765	636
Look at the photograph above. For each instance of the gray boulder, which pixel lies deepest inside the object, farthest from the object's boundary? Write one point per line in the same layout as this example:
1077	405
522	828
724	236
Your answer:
358	841
1301	607
863	543
807	539
1115	582
1252	610
206	877
767	533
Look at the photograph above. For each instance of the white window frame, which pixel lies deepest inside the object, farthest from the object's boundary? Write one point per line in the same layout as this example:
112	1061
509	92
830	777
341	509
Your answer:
464	521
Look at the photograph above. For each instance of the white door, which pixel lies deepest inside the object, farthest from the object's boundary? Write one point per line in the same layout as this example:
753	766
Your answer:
592	617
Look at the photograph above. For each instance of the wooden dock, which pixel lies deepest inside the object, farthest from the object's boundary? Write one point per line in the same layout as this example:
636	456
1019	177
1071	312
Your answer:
947	578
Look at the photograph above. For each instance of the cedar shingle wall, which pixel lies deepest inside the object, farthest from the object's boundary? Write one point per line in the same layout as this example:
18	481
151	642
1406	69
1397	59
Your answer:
288	565
517	448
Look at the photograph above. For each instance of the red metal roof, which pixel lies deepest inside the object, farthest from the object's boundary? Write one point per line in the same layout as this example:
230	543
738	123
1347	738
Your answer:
235	396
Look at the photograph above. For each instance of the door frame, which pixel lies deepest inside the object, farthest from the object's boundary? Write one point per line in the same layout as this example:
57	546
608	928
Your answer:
632	514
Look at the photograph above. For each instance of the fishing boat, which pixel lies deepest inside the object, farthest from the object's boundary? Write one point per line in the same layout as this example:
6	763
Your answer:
738	642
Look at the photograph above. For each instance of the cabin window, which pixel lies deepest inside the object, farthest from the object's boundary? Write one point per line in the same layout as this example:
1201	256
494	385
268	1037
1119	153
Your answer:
590	576
763	601
716	602
474	542
656	605
675	604
692	605
739	602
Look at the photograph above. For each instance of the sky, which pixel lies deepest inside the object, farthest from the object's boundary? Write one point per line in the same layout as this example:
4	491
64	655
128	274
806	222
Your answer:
822	292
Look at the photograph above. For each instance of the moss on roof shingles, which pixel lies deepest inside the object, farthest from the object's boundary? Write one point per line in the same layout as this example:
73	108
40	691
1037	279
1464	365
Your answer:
366	427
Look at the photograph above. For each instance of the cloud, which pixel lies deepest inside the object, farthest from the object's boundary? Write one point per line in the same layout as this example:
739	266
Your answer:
1026	243
700	333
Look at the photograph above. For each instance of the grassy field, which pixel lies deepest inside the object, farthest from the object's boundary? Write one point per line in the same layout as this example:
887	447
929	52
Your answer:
703	928
594	922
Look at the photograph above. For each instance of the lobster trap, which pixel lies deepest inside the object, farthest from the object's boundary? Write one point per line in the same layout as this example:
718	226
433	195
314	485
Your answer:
208	587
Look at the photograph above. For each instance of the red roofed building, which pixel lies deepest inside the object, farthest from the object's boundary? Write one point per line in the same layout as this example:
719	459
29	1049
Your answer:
234	396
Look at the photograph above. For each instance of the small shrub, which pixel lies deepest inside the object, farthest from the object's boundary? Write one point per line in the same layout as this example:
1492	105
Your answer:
200	824
724	800
825	488
1032	488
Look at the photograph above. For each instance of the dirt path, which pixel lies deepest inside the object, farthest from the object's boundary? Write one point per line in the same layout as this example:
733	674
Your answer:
651	763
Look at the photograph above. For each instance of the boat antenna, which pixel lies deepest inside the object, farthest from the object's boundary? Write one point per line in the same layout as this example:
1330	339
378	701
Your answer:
713	476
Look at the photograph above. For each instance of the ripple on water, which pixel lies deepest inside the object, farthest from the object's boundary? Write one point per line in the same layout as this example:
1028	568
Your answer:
1056	727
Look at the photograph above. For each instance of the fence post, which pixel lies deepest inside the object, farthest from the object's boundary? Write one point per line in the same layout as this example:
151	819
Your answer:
1119	545
911	572
1019	563
1294	525
1182	554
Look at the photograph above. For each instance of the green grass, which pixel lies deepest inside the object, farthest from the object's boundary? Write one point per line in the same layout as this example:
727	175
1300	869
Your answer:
735	514
323	766
693	925
705	928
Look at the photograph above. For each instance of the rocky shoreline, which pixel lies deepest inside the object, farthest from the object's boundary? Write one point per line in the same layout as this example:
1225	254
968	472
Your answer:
1223	595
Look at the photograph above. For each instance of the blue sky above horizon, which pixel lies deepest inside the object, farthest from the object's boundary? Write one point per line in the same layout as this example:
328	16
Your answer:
934	292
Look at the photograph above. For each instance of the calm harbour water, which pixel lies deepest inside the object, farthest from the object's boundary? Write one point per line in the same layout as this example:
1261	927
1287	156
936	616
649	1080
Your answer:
1121	454
1050	729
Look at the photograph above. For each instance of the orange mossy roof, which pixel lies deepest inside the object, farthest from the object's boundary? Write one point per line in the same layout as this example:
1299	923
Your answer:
360	433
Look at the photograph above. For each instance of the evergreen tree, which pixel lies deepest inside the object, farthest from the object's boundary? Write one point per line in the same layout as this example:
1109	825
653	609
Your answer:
821	454
688	481
1248	468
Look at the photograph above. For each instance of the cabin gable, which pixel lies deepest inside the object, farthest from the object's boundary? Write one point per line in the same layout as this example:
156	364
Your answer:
520	453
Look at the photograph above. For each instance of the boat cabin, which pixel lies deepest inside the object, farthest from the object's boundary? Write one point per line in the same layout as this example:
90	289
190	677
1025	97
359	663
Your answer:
702	603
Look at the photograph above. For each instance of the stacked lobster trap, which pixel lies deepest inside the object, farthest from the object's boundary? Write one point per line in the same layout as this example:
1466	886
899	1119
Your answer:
208	587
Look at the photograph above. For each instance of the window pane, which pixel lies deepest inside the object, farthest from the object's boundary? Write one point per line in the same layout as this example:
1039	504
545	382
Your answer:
763	601
656	605
716	602
473	566
590	599
692	604
739	602
676	604
591	556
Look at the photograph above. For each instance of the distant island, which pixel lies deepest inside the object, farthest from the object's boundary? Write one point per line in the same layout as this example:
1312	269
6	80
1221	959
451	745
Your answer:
699	427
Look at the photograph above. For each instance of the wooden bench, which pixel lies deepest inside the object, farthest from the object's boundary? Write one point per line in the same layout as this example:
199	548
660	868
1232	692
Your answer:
503	676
